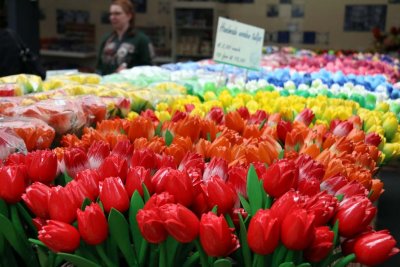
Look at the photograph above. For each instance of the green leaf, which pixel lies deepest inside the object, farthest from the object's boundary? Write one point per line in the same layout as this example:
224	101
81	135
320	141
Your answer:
345	261
335	230
3	208
218	135
67	178
279	255
136	205
305	264
370	193
287	264
119	231
215	209
17	222
20	245
86	202
254	190
146	194
245	204
172	247
143	253
222	263
340	197
192	260
229	221
27	217
267	200
281	154
37	242
262	124
244	246
77	260
122	131
208	137
157	132
168	138
42	256
2	245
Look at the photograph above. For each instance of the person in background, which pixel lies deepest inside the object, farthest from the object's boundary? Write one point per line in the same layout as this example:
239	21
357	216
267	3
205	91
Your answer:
126	46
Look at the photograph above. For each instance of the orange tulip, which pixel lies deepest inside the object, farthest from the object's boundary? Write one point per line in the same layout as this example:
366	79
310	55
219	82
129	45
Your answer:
234	121
377	187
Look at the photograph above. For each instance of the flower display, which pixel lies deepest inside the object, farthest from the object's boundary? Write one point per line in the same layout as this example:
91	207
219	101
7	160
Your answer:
281	170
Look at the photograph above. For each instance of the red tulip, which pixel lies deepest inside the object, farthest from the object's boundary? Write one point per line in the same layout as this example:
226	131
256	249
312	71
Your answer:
145	158
165	161
78	191
35	198
305	116
92	224
216	167
12	183
123	149
158	200
263	233
180	222
282	128
136	177
341	128
290	201
321	245
352	188
97	152
15	159
113	194
114	166
176	183
243	112
333	184
354	215
39	223
237	178
42	166
89	179
309	168
75	160
297	229
216	238
62	205
260	168
373	138
192	161
235	216
375	248
280	177
151	225
59	236
215	114
258	117
323	206
219	193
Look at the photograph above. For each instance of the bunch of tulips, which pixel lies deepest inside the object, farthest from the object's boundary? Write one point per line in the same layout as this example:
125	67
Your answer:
238	188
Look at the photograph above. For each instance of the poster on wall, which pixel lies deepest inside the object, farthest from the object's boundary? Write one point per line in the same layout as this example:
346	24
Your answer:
140	5
70	16
362	18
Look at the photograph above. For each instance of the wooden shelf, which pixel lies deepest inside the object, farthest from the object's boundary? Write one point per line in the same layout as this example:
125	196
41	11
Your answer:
67	54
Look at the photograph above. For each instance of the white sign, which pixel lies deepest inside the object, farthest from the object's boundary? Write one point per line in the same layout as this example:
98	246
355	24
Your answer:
238	44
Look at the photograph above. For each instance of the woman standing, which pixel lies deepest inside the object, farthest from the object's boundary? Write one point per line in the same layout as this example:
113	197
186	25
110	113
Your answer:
125	47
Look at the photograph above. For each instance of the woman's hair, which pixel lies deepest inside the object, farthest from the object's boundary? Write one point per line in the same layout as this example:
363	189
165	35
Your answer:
128	7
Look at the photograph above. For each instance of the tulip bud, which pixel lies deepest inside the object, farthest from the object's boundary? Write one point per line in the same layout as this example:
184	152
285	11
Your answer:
297	229
151	225
354	215
263	233
97	152
92	224
216	237
12	183
114	166
113	194
59	236
280	177
35	198
42	166
375	248
180	222
321	245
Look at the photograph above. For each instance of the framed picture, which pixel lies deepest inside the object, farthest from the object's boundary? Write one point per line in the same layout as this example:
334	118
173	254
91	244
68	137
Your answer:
297	11
363	18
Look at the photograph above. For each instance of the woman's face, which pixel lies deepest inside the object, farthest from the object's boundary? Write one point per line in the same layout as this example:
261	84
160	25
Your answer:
118	18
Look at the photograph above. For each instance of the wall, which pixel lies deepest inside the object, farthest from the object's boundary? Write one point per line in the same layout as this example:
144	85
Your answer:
320	16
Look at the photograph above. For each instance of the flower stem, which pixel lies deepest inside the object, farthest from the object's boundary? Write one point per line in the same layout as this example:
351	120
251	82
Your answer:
203	255
104	257
259	260
163	255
